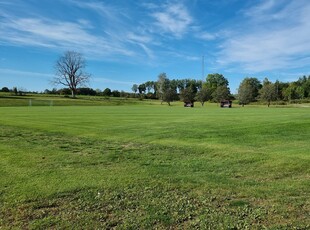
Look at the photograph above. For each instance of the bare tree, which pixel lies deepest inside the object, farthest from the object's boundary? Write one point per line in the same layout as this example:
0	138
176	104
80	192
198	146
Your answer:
70	71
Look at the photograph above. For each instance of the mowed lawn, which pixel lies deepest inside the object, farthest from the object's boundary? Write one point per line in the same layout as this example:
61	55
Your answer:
154	166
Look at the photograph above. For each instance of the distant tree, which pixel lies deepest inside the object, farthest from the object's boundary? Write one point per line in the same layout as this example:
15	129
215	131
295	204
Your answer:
280	88
124	94
173	84
189	93
300	92
248	90
54	91
181	84
86	91
166	92
15	91
141	88
116	93
169	95
107	92
98	92
214	81
304	83
70	71
134	88
149	86
5	90
203	95
64	91
199	84
268	91
163	84
221	93
245	95
47	91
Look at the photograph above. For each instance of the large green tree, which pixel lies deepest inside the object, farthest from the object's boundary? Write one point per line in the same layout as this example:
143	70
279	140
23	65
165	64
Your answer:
218	86
188	94
215	80
221	93
203	95
268	92
166	91
248	90
189	91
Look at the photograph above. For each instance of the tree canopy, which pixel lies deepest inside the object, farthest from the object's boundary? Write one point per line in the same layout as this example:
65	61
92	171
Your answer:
248	90
268	91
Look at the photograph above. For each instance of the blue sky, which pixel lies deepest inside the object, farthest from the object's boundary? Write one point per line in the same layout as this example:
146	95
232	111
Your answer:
127	42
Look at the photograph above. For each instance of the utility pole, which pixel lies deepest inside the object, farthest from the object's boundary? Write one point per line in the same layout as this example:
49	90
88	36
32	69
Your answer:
203	67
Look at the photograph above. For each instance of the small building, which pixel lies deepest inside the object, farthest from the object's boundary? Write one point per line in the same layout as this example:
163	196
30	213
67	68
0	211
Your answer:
226	104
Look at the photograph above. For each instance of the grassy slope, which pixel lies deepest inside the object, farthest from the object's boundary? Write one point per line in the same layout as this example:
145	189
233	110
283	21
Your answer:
146	166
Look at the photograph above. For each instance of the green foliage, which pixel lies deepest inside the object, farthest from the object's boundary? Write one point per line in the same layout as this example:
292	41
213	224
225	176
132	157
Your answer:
218	85
268	91
215	80
5	89
166	89
203	95
142	88
189	93
107	92
248	90
221	93
134	88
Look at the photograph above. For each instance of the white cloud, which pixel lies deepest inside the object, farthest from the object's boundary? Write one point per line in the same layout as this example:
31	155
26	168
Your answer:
59	35
278	46
109	13
24	73
106	80
173	18
261	9
206	36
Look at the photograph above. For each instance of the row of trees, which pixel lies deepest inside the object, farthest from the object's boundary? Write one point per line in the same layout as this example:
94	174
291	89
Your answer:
216	89
66	92
188	90
251	90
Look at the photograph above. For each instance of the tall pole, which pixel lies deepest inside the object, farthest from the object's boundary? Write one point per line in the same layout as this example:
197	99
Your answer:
203	67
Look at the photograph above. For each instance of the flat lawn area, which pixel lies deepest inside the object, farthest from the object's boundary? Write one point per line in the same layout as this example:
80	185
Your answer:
152	166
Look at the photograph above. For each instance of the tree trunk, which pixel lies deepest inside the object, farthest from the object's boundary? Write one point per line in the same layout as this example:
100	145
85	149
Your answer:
73	93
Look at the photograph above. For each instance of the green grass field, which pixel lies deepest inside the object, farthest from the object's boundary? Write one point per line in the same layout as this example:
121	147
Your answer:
142	166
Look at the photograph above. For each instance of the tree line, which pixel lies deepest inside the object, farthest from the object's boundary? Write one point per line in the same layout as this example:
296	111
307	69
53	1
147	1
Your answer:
215	89
69	72
252	90
188	90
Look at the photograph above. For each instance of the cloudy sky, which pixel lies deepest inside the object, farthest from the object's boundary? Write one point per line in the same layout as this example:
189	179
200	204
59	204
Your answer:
127	42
